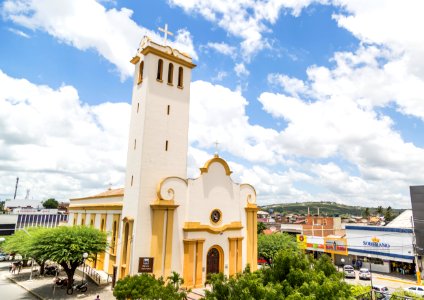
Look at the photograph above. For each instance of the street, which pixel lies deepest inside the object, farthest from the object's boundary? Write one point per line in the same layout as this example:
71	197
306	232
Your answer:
392	282
10	290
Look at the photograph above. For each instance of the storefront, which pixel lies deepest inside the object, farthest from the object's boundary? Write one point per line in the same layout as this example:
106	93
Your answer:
382	249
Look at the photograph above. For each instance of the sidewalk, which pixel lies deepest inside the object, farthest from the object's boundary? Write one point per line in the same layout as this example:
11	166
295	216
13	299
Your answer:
43	287
395	277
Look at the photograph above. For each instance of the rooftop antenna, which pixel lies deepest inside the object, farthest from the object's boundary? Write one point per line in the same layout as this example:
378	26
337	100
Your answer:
16	187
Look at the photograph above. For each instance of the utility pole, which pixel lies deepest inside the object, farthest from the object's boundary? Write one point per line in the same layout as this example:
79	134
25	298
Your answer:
16	187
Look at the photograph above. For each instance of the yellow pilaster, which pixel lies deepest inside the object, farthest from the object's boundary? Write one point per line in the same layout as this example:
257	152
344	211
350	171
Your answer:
169	239
252	236
101	256
232	256
162	236
189	247
75	219
199	263
83	218
235	258
239	255
156	247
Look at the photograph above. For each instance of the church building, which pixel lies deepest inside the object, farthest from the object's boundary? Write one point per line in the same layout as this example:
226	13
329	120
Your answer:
161	221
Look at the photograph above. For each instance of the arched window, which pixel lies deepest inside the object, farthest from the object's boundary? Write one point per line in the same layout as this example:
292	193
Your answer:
160	70
140	73
114	238
170	73
180	77
125	248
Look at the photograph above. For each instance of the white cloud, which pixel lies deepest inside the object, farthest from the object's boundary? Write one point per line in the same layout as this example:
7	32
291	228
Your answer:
246	19
220	76
19	32
241	70
58	146
218	114
223	48
86	24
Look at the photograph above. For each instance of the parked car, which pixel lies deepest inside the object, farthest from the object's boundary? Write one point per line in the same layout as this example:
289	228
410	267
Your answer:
4	256
416	289
349	272
381	292
364	273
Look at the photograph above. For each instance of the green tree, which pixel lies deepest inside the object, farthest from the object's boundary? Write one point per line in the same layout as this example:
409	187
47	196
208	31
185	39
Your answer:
261	227
366	213
269	245
67	244
21	242
388	214
292	275
147	287
380	210
51	203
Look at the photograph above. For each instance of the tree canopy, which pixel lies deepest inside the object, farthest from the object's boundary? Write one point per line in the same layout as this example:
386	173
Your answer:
292	275
147	287
67	244
270	245
51	203
64	245
261	227
22	242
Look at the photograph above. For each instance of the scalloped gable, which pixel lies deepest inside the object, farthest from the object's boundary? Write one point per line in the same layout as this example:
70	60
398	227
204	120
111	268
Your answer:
216	159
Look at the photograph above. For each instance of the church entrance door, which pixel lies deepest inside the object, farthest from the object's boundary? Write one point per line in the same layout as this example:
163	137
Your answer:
212	261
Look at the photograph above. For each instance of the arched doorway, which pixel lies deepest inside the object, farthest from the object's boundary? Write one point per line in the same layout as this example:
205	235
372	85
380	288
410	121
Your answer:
214	260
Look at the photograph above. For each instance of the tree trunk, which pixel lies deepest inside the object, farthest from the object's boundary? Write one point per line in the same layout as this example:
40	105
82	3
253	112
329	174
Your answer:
70	272
42	264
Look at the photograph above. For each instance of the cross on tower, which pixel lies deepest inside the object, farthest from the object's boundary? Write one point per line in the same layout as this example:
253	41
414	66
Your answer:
166	32
216	147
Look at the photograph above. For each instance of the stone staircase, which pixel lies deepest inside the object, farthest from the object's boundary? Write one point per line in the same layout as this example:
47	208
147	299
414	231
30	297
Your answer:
97	276
196	294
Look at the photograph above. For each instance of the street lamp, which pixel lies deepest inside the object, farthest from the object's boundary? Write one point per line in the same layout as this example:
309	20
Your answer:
84	256
32	259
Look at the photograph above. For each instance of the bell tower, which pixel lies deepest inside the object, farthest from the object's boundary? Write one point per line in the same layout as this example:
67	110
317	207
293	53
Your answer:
158	142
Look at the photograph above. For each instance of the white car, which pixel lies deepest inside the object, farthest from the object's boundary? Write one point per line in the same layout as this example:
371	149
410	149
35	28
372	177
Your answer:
364	273
348	271
381	291
4	256
416	289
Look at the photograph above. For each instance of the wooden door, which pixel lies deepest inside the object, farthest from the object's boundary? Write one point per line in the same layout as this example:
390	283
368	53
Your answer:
212	265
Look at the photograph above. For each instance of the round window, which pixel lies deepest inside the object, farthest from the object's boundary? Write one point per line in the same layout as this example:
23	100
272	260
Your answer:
216	216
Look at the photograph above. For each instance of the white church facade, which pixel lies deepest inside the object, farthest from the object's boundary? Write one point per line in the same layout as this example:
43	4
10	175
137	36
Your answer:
161	221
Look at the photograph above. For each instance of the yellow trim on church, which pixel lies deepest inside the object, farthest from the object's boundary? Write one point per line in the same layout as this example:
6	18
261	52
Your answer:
171	57
170	191
235	256
252	235
97	206
217	159
196	226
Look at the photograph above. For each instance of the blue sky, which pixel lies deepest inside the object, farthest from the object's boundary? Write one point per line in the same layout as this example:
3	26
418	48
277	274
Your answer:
310	100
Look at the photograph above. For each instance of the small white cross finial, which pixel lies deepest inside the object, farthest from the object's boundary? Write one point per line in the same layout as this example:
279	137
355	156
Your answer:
166	32
216	147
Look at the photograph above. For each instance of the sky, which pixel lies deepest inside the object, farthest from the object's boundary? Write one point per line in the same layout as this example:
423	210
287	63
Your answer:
308	100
